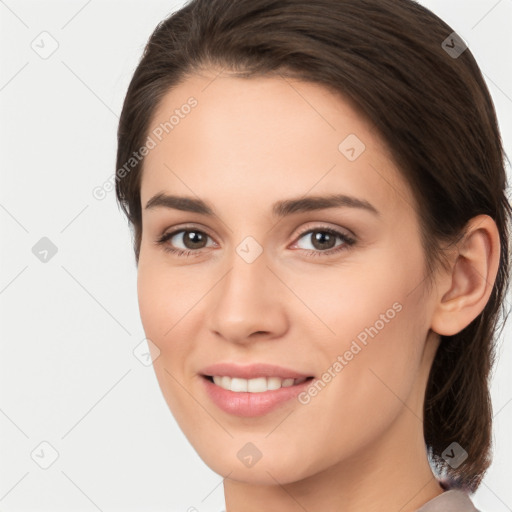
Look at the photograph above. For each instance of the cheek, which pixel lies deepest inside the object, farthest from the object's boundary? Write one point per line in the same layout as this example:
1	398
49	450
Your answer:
370	373
379	321
168	307
163	298
152	300
161	305
378	296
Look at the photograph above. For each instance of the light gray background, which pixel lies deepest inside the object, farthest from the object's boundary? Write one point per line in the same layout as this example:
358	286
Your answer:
68	375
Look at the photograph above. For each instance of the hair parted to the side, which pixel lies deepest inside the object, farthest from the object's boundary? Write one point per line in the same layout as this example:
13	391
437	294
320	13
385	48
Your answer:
433	111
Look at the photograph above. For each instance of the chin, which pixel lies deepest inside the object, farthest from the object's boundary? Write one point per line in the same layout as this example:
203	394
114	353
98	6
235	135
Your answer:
258	462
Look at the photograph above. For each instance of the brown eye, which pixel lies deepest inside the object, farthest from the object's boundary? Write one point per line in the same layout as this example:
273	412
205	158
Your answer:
193	239
184	241
323	241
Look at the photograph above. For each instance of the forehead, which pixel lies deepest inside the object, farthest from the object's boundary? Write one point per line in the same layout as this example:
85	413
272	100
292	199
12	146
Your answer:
261	138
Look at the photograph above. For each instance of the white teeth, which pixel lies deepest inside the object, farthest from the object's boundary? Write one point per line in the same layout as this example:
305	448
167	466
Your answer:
273	382
256	385
238	384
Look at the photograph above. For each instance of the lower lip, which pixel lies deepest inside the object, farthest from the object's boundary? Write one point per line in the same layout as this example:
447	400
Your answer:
251	404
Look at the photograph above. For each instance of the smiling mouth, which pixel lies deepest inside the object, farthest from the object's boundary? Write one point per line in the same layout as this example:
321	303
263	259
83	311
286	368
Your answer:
255	385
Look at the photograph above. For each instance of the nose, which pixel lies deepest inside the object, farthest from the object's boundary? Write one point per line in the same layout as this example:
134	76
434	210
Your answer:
249	303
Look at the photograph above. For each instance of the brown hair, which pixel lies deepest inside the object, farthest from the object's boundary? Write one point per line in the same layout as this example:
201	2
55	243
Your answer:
431	107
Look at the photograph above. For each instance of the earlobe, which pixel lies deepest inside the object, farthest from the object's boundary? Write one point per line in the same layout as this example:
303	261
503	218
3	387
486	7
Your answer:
465	289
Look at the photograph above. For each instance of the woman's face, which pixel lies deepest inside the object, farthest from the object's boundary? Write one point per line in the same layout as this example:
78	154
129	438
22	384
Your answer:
280	285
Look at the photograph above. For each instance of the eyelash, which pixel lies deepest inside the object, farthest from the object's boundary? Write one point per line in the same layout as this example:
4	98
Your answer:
347	242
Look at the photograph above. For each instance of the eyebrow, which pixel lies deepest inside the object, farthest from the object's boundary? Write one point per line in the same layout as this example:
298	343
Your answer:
279	209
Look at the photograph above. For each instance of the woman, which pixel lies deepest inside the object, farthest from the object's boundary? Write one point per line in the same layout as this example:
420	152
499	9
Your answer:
347	377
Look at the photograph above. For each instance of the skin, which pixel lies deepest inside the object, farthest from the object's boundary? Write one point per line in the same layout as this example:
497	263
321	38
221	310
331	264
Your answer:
358	445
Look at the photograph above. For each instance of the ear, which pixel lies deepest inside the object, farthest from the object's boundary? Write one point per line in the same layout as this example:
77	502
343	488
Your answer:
465	289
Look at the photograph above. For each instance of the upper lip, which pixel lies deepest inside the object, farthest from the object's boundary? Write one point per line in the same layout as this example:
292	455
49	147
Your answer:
251	371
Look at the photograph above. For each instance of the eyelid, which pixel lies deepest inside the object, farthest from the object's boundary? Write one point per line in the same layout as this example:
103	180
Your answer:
325	226
171	233
349	238
309	227
187	227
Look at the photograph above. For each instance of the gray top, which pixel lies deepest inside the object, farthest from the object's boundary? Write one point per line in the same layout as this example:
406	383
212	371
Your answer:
453	500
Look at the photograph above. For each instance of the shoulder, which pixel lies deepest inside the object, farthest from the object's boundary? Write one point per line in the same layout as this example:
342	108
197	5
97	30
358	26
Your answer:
453	499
